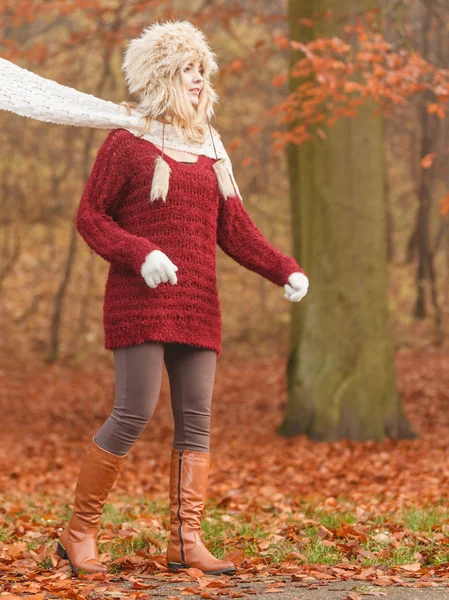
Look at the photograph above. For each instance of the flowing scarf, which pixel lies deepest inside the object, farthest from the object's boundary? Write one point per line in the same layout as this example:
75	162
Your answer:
30	95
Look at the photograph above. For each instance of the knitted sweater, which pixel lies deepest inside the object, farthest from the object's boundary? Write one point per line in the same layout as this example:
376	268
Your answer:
118	222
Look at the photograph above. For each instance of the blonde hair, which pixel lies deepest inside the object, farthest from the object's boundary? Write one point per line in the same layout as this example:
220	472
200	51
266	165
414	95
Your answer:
153	65
190	122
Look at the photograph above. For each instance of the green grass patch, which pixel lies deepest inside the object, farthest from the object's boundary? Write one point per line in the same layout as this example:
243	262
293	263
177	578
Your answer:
428	519
297	531
5	534
318	552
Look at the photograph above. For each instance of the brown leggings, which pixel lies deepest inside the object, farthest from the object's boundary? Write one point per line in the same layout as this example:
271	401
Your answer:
138	376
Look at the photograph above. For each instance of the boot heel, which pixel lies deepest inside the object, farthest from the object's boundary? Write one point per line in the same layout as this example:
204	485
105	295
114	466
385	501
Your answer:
61	552
177	566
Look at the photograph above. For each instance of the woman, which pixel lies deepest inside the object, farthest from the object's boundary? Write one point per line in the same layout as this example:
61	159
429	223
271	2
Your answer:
161	303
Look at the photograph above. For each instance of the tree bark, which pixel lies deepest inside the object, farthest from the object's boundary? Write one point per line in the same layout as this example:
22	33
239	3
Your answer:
340	372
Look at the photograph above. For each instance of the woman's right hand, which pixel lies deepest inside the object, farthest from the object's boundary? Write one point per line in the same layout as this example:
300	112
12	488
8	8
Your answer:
158	268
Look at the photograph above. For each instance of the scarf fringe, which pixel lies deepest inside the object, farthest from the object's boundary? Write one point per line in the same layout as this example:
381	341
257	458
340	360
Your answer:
161	179
224	179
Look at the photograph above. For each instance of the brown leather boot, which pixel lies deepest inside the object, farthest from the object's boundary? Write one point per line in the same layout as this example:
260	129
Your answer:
78	541
189	472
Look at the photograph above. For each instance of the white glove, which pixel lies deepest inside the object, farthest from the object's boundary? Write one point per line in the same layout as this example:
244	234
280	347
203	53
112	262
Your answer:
299	284
158	268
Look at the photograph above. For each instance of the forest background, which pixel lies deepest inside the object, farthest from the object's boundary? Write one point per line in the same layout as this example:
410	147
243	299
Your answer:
315	510
52	286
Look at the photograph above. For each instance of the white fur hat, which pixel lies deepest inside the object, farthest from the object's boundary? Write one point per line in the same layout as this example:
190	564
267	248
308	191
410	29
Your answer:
151	61
150	64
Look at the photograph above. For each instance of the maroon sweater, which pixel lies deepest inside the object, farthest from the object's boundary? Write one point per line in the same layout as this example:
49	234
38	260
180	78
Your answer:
118	222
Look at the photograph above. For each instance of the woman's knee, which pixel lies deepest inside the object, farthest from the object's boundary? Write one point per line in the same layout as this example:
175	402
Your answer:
130	420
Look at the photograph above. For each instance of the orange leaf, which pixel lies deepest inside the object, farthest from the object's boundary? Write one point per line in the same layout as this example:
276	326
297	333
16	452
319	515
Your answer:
411	567
427	161
282	41
352	86
441	112
442	93
252	130
236	142
236	65
444	205
300	46
279	80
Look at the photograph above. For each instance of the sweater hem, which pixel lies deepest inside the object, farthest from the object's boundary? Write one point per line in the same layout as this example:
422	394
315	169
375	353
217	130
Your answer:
115	340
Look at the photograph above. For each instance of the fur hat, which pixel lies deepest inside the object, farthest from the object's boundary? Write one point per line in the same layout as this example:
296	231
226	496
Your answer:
150	64
151	61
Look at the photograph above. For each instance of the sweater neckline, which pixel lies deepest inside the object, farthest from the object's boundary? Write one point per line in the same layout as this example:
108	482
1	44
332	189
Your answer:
177	163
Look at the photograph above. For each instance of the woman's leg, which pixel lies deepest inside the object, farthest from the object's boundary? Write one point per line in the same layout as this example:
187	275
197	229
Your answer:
138	376
78	541
138	380
191	372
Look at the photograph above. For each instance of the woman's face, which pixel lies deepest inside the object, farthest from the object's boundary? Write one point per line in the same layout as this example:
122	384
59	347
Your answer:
192	76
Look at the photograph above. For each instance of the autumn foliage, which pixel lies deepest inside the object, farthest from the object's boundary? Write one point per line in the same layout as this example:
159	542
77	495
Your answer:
338	75
263	489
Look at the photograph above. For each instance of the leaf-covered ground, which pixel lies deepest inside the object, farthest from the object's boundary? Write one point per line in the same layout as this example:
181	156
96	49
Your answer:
286	511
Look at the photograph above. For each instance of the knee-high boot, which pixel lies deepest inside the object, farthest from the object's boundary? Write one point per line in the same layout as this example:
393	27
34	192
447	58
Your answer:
78	541
189	473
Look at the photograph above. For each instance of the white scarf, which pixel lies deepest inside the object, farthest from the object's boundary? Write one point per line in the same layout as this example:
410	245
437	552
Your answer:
29	95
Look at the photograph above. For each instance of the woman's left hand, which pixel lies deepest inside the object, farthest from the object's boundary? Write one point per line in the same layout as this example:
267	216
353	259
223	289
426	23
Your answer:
297	287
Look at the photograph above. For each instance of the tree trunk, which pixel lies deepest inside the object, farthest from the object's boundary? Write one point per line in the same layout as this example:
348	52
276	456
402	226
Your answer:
431	130
340	372
389	219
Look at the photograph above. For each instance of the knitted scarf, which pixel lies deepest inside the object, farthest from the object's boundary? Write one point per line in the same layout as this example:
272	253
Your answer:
30	95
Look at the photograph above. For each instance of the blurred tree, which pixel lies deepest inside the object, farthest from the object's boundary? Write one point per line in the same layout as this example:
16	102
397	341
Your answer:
341	378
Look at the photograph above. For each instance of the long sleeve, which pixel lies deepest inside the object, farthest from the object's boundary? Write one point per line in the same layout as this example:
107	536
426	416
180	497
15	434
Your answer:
240	239
103	191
